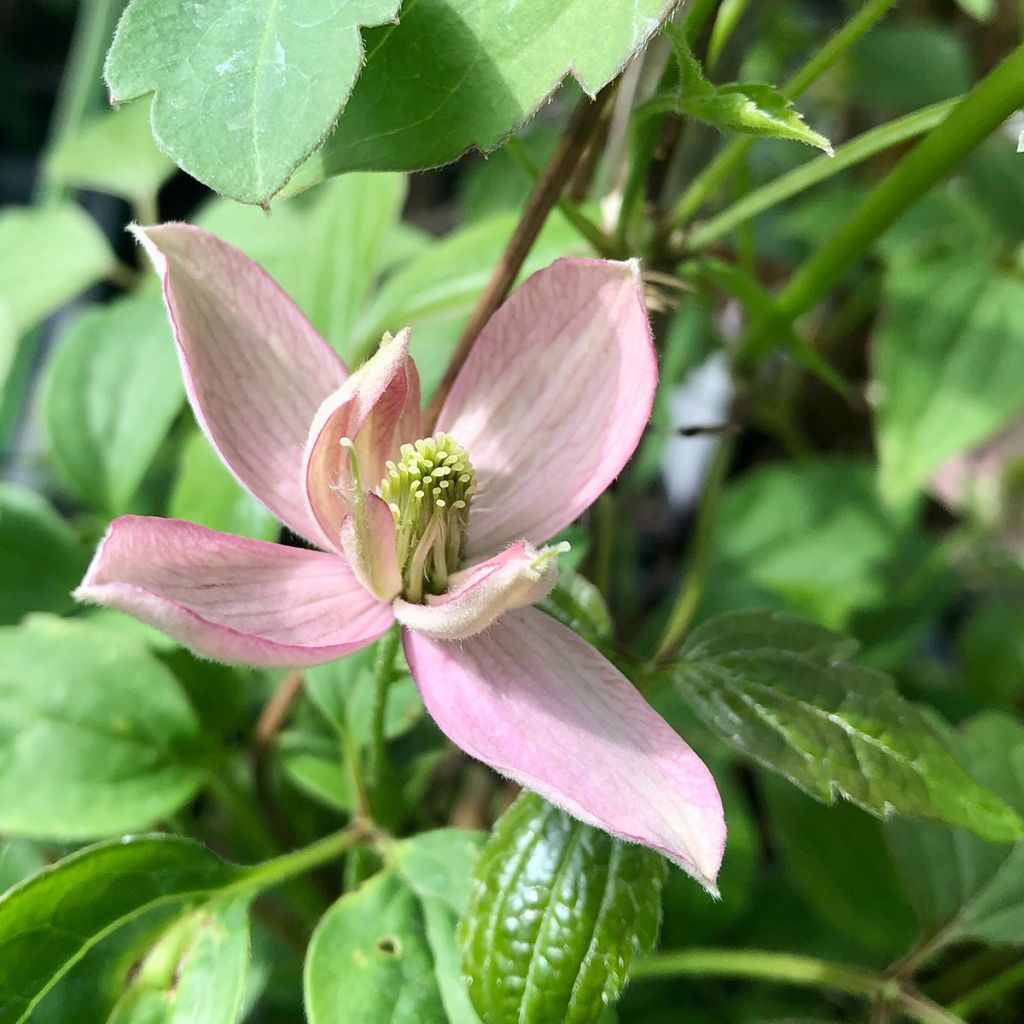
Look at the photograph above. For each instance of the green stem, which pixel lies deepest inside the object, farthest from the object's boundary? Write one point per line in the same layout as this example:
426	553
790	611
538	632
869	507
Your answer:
383	677
696	17
570	210
993	989
856	151
794	970
979	114
729	158
692	588
300	862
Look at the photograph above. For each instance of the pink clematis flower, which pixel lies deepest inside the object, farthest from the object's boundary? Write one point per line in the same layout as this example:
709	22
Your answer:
442	533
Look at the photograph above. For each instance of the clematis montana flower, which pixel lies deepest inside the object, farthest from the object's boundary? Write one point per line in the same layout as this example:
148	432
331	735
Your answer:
443	533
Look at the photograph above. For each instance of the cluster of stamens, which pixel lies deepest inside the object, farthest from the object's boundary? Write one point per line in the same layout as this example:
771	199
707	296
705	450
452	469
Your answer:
429	492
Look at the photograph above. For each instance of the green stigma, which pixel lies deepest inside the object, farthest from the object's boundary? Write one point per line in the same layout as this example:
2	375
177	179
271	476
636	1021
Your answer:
429	491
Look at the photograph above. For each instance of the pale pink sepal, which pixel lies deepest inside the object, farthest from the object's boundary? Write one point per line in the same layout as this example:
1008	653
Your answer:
518	576
230	598
371	550
377	409
255	369
543	707
553	399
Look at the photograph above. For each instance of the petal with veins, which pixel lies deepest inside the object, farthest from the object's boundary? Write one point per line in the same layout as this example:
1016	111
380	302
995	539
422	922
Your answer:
519	576
553	399
540	705
371	550
255	369
377	408
230	598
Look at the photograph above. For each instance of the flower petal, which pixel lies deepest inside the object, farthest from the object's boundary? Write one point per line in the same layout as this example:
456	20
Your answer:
255	369
372	551
520	575
540	705
377	408
553	399
233	599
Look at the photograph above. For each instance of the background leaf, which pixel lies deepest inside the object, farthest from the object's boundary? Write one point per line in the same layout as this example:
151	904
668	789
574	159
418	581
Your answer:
831	727
56	916
959	884
557	912
102	748
112	391
41	559
454	74
243	92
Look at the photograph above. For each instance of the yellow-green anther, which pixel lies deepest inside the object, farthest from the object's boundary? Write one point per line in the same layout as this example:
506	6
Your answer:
429	491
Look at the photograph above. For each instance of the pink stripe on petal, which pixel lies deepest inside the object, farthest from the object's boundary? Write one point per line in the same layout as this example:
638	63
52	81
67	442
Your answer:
255	369
478	595
540	705
378	409
230	598
553	399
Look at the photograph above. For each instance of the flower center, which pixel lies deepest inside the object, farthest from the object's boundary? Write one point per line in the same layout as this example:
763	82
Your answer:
429	491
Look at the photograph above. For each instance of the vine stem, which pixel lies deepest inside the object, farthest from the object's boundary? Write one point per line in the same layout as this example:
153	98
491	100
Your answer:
383	677
273	716
732	155
980	113
545	194
794	970
300	862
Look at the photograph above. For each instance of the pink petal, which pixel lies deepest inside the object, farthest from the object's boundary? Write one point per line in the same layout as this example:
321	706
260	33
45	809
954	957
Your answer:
378	408
540	705
372	552
553	399
255	369
520	575
233	599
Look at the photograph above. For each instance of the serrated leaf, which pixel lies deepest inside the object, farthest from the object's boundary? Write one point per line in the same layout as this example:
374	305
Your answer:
55	917
454	74
102	747
243	91
41	559
961	886
754	110
113	153
48	254
112	390
557	911
205	492
947	354
194	973
832	727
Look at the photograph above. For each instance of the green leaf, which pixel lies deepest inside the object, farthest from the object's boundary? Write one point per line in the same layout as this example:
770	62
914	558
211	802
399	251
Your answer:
454	74
51	920
18	859
837	859
743	107
961	886
48	254
754	110
113	153
369	959
41	559
980	10
557	912
243	92
102	747
205	492
821	539
112	391
831	727
947	355
194	973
